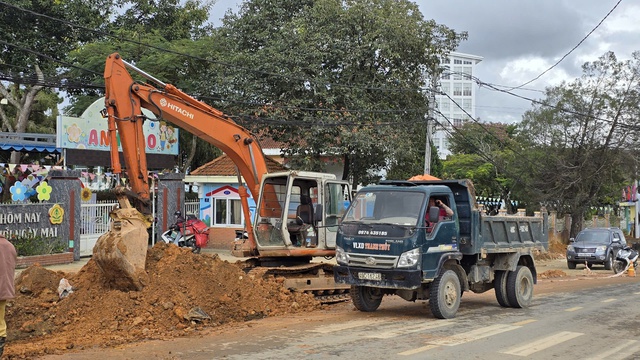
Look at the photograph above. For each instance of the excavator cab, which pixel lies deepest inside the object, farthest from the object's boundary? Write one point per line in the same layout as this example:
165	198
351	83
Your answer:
299	211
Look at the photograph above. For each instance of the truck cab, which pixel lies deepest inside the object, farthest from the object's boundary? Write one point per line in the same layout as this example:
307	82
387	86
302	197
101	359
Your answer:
386	229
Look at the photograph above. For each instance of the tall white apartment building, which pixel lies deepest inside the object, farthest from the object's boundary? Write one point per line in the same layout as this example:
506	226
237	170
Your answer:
457	82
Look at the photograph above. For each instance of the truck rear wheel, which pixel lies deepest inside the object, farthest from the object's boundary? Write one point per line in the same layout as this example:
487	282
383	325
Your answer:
444	295
520	287
500	286
366	298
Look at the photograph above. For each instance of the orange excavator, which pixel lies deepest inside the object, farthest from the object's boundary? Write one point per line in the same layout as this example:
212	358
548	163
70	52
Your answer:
297	212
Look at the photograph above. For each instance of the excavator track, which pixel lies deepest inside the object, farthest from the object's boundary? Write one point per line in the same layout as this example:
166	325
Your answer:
311	278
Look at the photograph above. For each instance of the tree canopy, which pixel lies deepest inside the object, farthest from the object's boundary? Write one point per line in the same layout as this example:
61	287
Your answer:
485	153
32	55
337	78
581	138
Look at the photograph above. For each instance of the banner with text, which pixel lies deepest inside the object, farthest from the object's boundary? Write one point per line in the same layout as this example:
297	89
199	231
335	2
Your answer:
89	131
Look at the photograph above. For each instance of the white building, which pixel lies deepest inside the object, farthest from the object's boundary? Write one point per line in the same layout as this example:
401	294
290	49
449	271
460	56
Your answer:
457	82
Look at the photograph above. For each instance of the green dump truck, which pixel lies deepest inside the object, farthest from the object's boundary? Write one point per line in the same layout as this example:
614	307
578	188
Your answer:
391	242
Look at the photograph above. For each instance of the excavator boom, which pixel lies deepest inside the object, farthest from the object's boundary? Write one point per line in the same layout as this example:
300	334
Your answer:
120	253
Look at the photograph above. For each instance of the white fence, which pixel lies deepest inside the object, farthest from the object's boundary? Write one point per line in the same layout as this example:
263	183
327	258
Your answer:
192	207
95	222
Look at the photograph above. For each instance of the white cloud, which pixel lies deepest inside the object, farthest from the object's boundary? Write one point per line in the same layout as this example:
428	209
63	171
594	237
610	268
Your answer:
624	21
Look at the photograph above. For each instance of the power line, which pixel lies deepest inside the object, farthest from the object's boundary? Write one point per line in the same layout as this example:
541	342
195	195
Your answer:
492	86
570	51
260	72
481	125
481	153
47	57
559	108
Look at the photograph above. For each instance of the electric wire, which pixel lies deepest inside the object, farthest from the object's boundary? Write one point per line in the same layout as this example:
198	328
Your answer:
217	62
570	51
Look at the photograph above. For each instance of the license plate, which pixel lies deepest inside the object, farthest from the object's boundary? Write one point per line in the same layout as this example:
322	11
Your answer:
369	276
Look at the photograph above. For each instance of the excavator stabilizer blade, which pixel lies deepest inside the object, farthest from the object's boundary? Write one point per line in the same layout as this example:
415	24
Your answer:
121	252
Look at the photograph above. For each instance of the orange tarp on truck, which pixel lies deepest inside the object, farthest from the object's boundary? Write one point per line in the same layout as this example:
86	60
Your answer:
423	177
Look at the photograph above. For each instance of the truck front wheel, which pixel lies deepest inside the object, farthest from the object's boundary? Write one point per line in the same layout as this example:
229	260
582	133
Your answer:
366	298
500	286
444	295
520	287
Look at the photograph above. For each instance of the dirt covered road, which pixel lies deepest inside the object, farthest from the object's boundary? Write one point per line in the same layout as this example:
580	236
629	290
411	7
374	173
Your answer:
187	296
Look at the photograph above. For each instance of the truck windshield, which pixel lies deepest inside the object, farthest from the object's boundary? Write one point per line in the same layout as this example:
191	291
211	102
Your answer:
392	207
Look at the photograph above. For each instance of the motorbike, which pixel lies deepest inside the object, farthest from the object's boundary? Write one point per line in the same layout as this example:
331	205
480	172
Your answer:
191	233
625	258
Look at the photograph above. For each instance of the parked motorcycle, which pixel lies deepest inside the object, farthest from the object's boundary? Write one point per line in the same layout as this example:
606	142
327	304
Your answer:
625	258
191	233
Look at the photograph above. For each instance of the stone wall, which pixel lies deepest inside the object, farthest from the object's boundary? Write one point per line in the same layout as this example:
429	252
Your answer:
169	199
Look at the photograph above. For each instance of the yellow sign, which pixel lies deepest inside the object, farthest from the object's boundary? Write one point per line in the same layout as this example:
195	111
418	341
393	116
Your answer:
56	214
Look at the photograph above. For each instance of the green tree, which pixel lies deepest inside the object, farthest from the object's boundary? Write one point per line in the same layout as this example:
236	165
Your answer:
408	160
154	35
32	54
333	78
485	153
582	136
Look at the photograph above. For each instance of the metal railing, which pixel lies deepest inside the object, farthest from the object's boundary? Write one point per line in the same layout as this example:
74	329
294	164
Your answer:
95	222
192	207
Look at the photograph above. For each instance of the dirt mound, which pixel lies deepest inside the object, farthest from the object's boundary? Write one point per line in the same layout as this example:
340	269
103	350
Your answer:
557	250
185	293
552	274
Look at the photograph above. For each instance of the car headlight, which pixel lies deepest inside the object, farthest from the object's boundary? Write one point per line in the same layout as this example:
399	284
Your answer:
601	249
570	248
409	258
341	256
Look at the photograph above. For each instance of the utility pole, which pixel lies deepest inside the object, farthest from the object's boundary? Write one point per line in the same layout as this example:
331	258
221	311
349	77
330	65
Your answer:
430	111
427	147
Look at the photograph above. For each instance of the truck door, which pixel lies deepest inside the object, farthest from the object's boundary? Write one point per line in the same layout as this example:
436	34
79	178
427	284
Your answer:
443	237
336	200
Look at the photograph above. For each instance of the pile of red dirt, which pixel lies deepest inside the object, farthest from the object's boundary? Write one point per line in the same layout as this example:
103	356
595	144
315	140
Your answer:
557	250
186	293
552	274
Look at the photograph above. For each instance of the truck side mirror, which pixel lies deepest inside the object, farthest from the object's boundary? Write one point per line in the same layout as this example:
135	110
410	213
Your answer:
434	214
572	240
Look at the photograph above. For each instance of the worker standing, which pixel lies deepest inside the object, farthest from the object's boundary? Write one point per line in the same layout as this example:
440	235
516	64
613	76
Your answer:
8	258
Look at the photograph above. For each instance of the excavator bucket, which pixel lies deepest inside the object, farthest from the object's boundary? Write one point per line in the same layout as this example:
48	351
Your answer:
121	252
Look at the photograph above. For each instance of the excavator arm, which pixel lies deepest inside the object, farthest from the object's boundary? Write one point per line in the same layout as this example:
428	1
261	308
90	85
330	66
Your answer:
124	100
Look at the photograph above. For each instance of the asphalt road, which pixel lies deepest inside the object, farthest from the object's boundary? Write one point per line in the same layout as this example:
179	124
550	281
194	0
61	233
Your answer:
593	320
